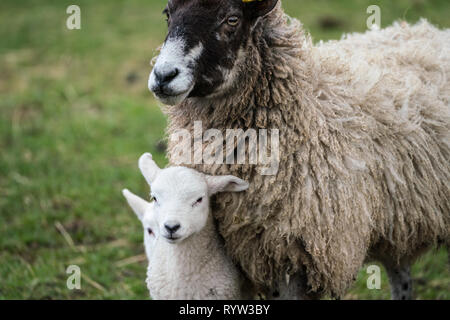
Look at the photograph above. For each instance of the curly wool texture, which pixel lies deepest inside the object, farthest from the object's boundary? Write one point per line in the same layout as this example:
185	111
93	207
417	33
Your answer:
364	145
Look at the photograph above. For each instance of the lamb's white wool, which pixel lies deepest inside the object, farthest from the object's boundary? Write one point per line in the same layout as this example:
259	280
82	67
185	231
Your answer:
187	258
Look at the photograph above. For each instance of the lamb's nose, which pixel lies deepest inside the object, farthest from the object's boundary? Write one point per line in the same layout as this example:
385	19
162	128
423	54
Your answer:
166	76
172	227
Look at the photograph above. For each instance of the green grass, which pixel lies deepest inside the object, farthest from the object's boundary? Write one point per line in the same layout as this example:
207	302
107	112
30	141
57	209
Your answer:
75	115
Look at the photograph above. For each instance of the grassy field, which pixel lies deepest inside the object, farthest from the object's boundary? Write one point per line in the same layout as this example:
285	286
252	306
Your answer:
75	115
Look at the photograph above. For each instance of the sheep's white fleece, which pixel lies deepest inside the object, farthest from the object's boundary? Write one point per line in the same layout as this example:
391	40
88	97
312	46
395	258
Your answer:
365	146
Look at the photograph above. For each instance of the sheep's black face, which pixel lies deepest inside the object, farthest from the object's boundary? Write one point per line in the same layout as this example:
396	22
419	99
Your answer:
204	41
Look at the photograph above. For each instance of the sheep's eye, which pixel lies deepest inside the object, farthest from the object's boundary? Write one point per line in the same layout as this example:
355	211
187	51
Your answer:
150	231
153	198
233	21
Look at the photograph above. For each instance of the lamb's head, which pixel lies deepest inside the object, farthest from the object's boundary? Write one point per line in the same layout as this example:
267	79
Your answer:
181	197
144	211
204	42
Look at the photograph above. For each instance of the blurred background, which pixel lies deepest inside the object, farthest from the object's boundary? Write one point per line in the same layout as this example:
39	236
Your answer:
76	114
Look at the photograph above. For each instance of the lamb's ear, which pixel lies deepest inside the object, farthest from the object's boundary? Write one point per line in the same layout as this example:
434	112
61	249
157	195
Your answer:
148	167
258	8
218	184
139	205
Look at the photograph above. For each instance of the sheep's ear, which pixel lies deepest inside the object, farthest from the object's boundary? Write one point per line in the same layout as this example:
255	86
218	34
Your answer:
218	184
258	8
148	167
139	205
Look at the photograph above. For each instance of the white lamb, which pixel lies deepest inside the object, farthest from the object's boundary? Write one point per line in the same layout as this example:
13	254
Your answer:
187	257
144	211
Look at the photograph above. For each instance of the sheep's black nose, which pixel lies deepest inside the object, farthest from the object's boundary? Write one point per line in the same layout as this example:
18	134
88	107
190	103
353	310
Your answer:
166	76
172	227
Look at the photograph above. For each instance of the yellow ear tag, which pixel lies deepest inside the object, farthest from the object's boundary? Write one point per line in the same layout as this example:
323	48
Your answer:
248	1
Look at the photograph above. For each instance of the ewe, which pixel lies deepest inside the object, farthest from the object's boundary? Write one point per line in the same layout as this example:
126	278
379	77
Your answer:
187	258
364	127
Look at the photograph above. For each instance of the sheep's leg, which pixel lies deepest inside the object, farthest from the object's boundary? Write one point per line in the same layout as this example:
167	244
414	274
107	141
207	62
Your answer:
287	291
295	289
400	281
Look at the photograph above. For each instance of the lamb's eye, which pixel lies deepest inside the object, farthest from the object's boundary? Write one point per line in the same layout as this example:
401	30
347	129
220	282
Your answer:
167	14
153	198
233	21
150	231
199	200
